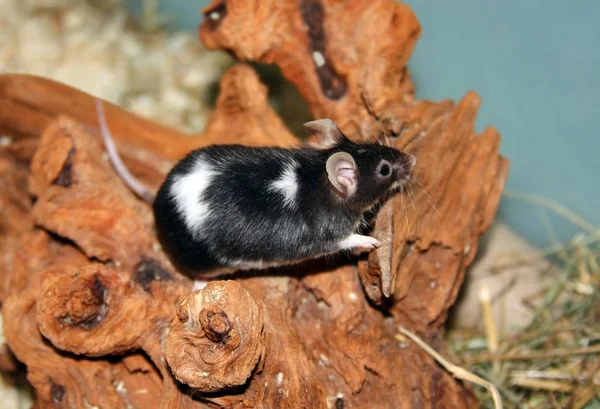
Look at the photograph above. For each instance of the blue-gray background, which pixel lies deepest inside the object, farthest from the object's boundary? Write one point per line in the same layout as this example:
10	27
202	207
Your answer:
536	65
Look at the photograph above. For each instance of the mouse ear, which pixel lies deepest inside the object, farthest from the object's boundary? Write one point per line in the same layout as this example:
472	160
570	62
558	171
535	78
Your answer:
326	131
342	173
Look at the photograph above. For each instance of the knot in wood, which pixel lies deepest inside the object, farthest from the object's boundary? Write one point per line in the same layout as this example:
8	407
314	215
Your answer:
182	312
215	324
217	339
84	306
57	392
149	270
92	310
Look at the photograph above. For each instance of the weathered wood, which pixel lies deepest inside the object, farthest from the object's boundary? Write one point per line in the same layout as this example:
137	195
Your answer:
97	313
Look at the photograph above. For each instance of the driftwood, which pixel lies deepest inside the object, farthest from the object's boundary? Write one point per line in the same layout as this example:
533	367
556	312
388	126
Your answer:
100	317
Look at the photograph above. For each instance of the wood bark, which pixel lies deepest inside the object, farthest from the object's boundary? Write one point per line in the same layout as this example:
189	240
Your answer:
100	317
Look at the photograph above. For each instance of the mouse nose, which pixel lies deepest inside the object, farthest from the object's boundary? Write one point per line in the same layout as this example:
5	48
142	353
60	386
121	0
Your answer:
405	159
413	160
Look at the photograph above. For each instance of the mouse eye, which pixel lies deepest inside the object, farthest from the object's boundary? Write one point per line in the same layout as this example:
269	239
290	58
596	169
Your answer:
385	168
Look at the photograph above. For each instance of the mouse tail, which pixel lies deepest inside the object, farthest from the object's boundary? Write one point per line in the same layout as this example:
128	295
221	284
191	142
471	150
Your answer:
115	159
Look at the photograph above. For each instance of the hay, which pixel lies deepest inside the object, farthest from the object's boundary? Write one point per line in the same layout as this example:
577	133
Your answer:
457	371
555	361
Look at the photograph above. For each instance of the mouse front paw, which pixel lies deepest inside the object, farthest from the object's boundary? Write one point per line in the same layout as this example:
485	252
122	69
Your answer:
359	244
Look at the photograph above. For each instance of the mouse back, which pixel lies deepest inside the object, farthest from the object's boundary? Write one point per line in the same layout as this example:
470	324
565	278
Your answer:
242	206
249	203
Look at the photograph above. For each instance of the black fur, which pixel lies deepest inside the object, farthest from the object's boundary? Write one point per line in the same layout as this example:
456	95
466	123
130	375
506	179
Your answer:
250	222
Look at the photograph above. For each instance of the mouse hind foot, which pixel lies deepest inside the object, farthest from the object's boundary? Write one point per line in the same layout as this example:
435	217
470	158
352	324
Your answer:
200	284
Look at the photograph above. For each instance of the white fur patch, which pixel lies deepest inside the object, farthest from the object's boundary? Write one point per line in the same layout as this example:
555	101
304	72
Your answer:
187	191
287	185
242	265
247	264
358	241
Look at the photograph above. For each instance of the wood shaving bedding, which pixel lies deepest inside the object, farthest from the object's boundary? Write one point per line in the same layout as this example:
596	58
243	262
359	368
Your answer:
97	47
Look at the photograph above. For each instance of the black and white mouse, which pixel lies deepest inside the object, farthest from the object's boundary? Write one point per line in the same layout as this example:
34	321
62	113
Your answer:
224	208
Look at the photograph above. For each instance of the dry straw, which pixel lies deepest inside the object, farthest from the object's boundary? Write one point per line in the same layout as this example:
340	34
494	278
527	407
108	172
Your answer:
555	361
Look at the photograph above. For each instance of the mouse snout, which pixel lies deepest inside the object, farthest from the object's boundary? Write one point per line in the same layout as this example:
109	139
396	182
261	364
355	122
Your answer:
404	164
412	159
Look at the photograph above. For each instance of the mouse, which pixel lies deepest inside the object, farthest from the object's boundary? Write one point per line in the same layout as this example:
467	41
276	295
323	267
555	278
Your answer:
227	208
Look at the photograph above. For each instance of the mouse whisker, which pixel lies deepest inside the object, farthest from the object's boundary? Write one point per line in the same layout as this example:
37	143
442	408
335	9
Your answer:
378	140
368	106
405	212
418	174
413	199
411	196
429	199
387	139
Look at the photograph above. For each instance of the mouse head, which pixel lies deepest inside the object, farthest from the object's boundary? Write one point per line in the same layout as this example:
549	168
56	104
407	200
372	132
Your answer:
360	173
